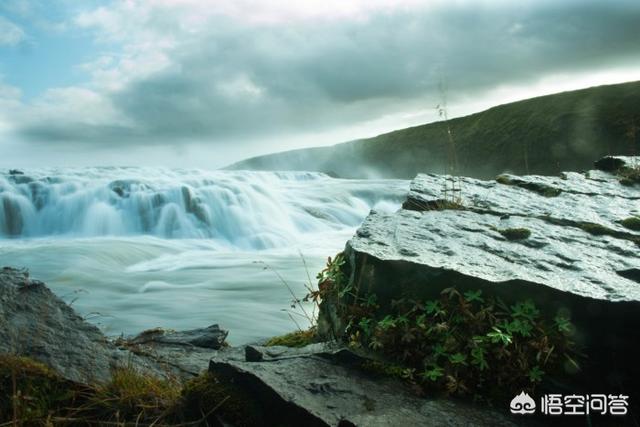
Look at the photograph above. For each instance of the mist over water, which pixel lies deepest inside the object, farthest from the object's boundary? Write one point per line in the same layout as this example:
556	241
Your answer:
136	248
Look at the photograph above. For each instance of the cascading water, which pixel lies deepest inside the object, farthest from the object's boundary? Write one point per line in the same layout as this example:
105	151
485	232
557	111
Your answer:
177	248
247	210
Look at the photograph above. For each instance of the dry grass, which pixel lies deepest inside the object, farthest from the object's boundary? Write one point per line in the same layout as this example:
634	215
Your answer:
36	396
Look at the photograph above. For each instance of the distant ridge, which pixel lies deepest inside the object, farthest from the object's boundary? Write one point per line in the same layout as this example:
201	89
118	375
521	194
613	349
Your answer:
542	135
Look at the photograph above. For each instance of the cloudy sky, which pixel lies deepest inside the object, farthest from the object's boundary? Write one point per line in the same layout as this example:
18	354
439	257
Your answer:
207	82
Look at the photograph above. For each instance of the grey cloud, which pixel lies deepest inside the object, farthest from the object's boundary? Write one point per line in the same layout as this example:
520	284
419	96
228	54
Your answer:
319	76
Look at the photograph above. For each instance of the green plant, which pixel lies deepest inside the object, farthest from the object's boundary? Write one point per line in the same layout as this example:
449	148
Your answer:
515	233
460	343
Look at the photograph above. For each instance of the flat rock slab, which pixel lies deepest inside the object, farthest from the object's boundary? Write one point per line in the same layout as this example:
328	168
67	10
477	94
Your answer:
566	259
210	337
318	386
561	253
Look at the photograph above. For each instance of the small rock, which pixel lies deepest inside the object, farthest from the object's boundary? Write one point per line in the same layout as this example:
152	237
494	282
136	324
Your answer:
252	354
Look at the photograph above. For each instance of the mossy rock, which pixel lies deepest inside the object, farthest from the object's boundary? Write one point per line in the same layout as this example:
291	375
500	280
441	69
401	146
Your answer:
629	176
36	390
503	179
515	233
595	229
632	223
539	188
206	393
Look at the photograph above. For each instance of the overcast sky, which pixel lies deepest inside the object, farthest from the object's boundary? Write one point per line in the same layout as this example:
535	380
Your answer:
205	83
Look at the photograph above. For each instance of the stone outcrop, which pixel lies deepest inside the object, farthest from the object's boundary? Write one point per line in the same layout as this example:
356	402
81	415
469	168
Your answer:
577	244
319	385
560	241
36	323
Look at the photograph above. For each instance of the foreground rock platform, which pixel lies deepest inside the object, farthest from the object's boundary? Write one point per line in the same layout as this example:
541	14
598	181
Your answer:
559	241
318	385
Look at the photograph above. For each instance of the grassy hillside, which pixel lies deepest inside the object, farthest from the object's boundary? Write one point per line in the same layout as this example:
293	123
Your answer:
545	135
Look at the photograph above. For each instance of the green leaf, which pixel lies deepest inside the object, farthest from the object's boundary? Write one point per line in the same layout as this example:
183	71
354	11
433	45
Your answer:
387	323
526	309
432	374
458	359
520	326
365	325
536	374
438	350
477	358
432	307
497	336
472	296
563	324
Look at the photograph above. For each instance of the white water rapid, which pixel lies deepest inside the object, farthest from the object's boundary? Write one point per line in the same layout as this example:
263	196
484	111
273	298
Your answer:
136	248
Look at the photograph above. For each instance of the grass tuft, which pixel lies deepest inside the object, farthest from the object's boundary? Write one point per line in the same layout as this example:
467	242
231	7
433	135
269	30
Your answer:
294	339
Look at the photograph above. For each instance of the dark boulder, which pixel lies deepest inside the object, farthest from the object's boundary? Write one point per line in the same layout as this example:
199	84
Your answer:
317	386
574	257
36	323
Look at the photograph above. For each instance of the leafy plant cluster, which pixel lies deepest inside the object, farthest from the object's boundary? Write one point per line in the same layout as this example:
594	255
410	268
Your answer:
459	343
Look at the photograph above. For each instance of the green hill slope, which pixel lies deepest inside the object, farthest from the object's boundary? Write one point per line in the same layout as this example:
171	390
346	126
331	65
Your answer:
545	135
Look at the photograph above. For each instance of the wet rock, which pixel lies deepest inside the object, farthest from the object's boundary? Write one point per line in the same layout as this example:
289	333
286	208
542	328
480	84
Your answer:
39	194
124	187
611	163
11	220
573	255
211	337
314	386
252	354
193	205
21	178
36	323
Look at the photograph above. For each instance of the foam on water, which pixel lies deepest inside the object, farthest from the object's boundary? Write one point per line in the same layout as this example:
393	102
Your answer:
136	248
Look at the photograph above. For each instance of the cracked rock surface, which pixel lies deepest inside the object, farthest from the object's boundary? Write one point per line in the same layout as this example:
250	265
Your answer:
577	243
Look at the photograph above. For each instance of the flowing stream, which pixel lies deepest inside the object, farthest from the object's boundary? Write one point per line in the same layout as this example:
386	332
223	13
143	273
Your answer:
136	248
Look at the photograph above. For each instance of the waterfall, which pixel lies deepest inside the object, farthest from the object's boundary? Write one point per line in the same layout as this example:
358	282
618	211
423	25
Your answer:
248	210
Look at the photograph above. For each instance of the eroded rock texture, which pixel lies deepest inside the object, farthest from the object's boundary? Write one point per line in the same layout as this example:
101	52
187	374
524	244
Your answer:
559	241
